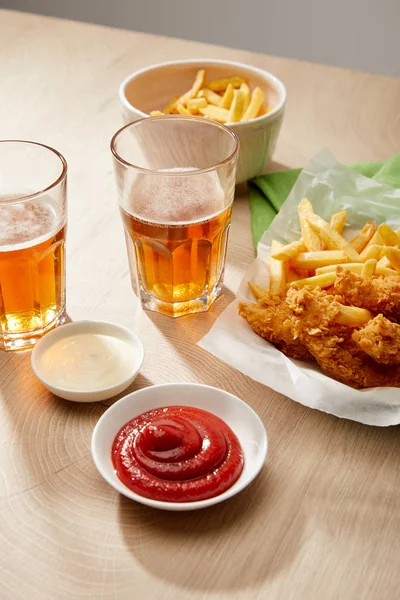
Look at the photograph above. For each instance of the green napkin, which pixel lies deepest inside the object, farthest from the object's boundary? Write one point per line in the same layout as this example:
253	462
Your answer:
269	192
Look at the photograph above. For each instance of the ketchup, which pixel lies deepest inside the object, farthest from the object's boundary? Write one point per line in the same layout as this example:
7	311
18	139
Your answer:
177	454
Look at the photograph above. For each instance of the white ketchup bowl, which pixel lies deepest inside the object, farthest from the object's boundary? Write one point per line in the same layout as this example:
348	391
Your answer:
242	419
119	335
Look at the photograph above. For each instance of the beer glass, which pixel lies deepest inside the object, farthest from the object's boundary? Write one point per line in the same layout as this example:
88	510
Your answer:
33	216
175	181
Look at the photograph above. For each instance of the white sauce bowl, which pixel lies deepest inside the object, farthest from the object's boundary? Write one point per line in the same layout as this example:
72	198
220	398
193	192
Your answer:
102	328
153	87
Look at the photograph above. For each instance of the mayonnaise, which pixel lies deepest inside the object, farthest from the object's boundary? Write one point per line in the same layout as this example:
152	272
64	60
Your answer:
87	362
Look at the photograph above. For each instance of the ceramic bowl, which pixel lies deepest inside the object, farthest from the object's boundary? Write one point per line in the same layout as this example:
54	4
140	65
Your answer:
237	414
80	327
152	87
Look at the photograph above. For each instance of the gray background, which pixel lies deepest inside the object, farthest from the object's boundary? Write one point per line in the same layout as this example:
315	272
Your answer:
357	34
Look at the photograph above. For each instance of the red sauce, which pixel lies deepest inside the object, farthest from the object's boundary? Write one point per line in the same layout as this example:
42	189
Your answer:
177	454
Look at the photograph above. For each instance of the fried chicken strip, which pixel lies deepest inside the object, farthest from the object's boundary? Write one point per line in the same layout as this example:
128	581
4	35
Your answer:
380	339
270	319
378	294
332	345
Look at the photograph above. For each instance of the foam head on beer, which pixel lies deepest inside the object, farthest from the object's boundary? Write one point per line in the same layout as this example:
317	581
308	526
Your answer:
180	198
23	222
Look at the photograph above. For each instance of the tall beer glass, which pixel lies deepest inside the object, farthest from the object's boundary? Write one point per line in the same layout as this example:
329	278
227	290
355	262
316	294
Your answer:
176	181
33	216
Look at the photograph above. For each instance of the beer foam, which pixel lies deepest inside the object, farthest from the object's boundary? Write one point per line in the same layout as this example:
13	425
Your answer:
177	199
23	222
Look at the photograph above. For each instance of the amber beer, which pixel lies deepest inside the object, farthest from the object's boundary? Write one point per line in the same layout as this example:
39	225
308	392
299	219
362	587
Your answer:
176	179
179	249
179	263
32	270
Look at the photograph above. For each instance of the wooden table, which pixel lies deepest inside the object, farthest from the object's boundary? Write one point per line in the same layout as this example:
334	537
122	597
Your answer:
322	521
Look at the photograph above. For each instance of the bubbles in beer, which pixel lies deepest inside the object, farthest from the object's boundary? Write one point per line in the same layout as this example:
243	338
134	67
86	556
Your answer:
173	199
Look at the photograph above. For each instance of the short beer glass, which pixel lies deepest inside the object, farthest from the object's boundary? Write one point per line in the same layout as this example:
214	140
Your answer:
176	181
33	216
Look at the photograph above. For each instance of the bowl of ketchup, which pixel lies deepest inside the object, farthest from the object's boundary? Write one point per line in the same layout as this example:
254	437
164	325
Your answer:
179	446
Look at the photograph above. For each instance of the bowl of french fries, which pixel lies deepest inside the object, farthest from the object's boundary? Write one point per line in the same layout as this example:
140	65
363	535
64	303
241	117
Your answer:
248	100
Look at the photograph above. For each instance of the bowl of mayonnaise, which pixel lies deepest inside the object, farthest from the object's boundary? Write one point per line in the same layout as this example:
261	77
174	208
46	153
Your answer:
88	361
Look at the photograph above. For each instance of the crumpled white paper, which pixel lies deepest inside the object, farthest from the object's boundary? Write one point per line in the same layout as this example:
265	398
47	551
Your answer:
331	187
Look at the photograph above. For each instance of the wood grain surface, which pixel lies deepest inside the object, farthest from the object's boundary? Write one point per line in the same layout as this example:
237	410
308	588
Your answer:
322	521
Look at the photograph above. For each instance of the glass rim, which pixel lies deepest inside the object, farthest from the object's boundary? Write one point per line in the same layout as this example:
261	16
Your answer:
177	172
52	185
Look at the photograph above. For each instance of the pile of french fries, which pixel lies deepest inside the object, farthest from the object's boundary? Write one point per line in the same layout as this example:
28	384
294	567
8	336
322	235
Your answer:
314	259
224	100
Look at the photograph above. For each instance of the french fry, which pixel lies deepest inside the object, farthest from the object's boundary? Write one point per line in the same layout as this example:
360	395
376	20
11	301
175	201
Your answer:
227	98
314	260
369	267
384	261
386	272
197	85
182	110
393	255
376	239
389	237
257	100
338	221
195	104
198	82
277	272
352	316
311	240
371	251
212	97
290	250
214	112
257	291
353	267
220	85
171	106
333	240
361	239
398	231
237	106
323	281
156	113
247	96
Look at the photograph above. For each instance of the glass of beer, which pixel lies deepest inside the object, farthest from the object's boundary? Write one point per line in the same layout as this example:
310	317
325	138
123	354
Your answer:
33	216
176	181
